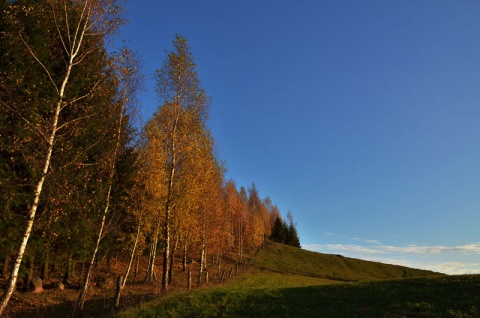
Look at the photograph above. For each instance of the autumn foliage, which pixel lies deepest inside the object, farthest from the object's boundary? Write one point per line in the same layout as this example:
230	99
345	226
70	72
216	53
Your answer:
78	183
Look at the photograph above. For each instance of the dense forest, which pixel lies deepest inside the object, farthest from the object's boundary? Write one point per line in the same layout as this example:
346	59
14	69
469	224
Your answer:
79	182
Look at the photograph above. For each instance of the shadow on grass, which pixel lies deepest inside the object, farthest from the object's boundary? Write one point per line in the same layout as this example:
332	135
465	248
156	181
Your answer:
442	297
455	296
98	307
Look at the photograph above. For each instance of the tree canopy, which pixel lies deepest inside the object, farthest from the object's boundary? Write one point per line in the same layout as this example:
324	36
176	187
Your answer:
75	181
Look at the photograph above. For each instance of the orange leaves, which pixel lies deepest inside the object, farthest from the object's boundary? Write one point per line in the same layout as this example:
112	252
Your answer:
185	195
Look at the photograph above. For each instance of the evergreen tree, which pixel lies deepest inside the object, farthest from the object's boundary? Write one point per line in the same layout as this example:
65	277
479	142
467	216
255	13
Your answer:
285	233
56	92
292	234
279	231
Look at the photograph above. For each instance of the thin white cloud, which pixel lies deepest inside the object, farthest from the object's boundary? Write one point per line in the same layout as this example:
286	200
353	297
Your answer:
455	268
376	242
408	249
352	248
428	249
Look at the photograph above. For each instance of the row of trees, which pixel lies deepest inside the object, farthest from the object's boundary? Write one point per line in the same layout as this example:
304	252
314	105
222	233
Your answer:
76	181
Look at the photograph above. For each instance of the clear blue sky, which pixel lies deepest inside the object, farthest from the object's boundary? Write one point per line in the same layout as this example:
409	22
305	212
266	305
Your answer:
361	117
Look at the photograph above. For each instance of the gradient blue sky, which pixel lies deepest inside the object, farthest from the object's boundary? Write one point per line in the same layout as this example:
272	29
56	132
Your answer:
361	117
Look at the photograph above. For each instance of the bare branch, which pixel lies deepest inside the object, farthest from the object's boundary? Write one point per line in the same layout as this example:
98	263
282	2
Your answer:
84	151
80	59
74	120
82	164
100	16
76	46
39	62
111	225
26	120
58	29
86	95
77	30
67	24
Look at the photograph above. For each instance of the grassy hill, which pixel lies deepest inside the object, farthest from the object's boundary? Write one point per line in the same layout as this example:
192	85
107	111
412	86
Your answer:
287	259
282	281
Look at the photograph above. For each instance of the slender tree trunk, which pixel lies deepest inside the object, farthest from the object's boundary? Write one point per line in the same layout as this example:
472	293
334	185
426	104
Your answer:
168	207
31	217
72	50
202	263
203	253
239	241
184	256
147	272
151	260
38	191
220	261
136	267
123	280
132	257
223	275
120	282
240	249
166	256
172	256
86	282
205	258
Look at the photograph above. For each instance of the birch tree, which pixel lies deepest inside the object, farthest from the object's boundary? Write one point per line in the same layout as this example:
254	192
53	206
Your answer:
78	29
256	210
170	136
207	182
153	158
245	226
127	79
238	210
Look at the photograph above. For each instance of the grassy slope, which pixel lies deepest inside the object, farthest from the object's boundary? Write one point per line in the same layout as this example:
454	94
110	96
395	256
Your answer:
282	281
287	259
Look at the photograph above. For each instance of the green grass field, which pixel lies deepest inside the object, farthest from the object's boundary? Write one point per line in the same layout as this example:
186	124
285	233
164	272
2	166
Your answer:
286	282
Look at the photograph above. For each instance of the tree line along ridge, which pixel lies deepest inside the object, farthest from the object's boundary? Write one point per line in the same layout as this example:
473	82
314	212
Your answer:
78	181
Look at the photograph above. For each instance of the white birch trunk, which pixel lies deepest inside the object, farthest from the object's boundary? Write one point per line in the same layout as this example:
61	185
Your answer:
168	207
86	283
38	191
151	270
72	44
200	271
132	257
185	256
203	248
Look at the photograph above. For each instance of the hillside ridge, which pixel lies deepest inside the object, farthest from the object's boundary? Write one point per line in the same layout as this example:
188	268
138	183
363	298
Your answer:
281	258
